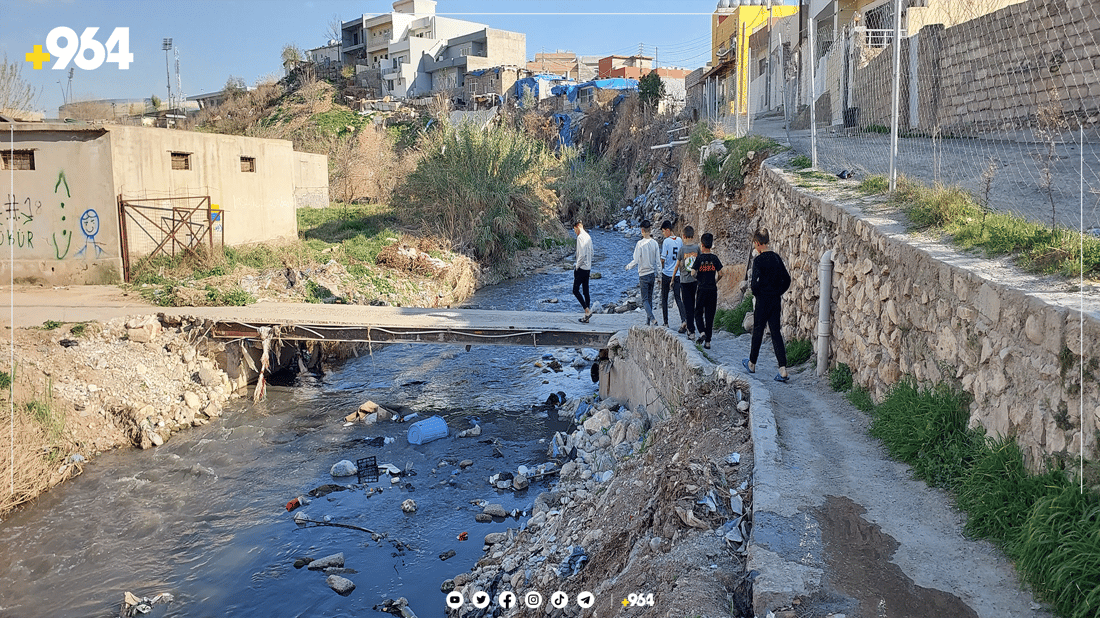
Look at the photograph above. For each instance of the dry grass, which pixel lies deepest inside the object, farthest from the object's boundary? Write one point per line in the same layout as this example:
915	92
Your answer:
35	445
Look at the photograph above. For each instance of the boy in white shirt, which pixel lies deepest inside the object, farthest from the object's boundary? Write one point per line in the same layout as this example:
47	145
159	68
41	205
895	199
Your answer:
648	260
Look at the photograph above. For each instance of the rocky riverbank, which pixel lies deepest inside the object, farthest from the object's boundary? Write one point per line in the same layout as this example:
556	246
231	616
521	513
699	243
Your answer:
646	509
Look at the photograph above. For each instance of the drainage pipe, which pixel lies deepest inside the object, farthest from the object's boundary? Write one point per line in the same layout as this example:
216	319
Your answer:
825	301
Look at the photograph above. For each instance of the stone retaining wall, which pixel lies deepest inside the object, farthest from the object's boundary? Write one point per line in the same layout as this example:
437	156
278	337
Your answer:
903	307
656	368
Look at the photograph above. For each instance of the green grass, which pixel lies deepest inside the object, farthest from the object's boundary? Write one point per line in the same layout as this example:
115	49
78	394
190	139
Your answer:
874	185
732	320
51	325
5	380
860	398
1044	523
337	121
840	378
798	352
78	329
362	231
926	428
816	175
1035	247
876	128
801	162
719	171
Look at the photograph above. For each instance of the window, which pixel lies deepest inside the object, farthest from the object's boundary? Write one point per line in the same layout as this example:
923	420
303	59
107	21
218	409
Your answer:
465	50
18	160
248	164
586	96
181	160
763	66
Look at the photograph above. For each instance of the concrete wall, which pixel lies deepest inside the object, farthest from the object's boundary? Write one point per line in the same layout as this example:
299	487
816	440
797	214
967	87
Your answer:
259	206
993	72
65	210
903	307
310	180
658	369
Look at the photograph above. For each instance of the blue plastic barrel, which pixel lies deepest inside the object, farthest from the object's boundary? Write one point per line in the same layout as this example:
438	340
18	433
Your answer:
429	429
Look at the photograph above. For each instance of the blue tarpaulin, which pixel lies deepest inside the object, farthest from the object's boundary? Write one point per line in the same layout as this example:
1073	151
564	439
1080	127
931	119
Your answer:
570	90
532	83
565	129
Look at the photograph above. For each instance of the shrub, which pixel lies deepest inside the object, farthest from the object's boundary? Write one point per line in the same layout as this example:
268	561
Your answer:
840	378
798	351
733	320
481	190
588	188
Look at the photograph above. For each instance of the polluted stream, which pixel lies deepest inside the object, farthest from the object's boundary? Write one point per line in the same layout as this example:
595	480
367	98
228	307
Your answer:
204	518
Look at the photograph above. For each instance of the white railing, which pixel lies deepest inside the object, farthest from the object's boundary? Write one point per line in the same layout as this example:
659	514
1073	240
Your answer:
877	38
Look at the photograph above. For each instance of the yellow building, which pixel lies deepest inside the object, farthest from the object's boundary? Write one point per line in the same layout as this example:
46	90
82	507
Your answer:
731	25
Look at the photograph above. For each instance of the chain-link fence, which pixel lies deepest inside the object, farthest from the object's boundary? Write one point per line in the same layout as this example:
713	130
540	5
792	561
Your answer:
1003	101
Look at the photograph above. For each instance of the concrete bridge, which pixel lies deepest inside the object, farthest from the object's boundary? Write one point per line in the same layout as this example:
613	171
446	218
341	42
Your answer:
360	323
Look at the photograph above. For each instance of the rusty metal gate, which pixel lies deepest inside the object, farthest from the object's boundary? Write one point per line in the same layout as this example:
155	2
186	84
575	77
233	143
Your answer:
167	226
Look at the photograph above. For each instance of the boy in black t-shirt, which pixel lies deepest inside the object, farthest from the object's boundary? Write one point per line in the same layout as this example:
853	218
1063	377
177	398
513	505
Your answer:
770	280
708	272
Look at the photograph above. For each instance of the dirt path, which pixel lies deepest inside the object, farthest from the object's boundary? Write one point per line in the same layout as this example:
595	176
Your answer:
840	527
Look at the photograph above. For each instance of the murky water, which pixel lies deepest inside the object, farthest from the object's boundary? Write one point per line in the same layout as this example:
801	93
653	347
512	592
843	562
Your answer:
203	516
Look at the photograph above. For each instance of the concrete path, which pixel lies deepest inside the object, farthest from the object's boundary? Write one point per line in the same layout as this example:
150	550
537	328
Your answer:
31	306
845	529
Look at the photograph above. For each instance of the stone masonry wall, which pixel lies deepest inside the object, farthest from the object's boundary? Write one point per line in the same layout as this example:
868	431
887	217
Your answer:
902	307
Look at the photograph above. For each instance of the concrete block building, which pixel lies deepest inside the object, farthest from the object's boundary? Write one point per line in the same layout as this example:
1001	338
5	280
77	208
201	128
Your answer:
73	183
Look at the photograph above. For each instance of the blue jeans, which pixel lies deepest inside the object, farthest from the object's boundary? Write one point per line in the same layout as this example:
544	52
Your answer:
645	284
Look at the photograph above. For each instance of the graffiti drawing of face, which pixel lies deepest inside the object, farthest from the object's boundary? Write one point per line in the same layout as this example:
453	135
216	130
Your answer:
89	222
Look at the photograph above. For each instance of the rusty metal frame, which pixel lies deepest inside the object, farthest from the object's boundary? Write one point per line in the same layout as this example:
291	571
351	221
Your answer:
172	221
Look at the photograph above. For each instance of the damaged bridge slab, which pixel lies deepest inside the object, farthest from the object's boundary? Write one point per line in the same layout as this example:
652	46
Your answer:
367	324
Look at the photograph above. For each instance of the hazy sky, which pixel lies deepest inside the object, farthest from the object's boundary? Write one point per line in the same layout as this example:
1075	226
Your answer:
219	38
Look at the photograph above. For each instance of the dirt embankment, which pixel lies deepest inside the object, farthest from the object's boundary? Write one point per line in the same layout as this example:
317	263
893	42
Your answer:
84	388
647	519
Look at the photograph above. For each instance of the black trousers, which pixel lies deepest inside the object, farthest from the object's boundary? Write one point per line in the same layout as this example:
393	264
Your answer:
706	303
580	284
687	293
666	281
767	312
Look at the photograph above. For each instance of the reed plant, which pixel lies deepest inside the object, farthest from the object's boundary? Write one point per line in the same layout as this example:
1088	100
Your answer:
481	189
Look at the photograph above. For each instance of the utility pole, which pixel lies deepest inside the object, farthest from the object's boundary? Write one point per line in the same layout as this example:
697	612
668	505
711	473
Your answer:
167	46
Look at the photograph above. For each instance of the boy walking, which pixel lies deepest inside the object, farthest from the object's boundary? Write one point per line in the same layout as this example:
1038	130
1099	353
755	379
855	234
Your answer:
647	259
670	255
688	284
708	272
583	269
770	280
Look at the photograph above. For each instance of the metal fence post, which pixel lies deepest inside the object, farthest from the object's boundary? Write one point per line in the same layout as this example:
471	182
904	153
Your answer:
813	93
896	110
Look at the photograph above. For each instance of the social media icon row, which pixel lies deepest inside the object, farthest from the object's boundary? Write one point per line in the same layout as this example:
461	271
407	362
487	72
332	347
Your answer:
509	599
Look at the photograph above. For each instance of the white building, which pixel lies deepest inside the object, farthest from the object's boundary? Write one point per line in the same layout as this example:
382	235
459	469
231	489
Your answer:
405	47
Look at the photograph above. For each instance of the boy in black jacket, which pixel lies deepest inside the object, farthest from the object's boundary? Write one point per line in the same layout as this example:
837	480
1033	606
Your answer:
770	280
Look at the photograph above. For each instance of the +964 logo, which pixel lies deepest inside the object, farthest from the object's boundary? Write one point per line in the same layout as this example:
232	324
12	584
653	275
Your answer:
85	51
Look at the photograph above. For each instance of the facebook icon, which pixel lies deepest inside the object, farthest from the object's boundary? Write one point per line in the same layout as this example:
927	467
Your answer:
507	599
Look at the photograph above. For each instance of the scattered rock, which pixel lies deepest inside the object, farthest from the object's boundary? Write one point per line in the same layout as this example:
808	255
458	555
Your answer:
341	585
335	560
408	506
465	463
483	518
495	510
450	553
343	468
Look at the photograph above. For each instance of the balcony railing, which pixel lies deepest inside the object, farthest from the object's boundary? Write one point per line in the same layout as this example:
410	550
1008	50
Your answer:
877	38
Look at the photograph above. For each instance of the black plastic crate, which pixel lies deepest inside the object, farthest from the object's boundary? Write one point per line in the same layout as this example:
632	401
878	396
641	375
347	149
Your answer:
368	469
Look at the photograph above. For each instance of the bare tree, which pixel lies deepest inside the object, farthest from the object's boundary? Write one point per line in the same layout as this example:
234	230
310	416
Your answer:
15	93
335	31
1050	122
